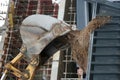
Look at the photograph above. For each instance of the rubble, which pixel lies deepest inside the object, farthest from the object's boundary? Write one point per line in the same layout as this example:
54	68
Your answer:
79	40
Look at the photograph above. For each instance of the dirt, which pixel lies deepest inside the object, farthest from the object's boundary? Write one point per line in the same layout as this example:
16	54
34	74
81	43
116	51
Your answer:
79	40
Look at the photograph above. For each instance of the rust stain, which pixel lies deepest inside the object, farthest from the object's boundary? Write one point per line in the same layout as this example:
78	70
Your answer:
59	29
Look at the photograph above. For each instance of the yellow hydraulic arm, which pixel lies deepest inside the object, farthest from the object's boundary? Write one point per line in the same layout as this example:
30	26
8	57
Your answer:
30	69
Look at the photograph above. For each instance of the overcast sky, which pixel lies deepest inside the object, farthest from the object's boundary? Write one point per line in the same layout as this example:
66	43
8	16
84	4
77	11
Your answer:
3	10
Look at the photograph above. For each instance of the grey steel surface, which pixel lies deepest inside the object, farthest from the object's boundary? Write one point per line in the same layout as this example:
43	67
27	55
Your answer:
105	59
104	50
81	15
105	2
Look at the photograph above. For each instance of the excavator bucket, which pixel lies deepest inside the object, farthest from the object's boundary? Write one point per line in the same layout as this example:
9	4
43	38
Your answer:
39	34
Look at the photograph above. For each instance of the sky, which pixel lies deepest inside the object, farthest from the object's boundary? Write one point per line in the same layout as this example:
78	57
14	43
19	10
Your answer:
56	1
3	11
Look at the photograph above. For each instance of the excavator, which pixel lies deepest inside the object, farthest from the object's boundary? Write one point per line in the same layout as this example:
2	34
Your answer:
42	36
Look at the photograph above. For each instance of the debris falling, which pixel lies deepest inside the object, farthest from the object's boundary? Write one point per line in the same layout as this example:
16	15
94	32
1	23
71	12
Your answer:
79	40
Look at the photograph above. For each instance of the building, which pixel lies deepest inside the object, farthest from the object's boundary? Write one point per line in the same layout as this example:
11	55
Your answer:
74	12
